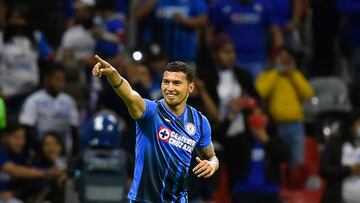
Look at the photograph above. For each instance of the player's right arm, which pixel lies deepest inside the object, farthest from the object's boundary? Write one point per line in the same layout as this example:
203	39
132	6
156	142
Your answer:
134	102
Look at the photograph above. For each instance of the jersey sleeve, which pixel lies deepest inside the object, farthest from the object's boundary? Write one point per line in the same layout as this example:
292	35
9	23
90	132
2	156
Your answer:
28	115
149	110
205	137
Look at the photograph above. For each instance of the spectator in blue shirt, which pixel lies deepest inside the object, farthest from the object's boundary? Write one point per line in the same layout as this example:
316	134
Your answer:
12	164
288	16
109	30
248	23
172	24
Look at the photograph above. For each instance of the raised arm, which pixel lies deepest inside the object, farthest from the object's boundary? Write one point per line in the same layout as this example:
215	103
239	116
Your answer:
207	167
134	102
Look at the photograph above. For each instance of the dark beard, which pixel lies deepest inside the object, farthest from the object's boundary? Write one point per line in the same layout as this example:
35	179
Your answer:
11	31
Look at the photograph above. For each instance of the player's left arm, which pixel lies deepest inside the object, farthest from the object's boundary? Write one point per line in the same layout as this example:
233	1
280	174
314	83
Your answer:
206	167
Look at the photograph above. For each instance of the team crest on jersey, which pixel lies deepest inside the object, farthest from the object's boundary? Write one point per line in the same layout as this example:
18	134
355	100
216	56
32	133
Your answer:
190	128
164	134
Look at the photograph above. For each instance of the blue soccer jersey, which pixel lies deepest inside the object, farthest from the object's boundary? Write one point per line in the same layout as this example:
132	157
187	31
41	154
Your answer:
164	145
178	41
246	24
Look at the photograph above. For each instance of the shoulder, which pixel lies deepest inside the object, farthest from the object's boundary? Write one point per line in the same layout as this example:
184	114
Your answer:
151	103
38	95
150	107
64	97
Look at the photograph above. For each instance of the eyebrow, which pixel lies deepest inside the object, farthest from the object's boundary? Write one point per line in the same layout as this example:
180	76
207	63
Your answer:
175	80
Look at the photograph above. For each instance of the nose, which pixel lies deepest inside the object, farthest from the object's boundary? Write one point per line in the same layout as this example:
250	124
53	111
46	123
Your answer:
171	86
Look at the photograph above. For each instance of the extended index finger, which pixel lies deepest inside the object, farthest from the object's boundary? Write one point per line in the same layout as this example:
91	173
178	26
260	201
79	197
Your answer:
102	61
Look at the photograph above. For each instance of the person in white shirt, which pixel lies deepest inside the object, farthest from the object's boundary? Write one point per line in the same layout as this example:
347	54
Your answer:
50	109
21	46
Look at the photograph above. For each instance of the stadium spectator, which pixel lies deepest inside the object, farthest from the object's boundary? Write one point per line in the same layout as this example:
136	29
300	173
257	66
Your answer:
76	51
51	155
20	48
225	81
13	166
340	163
173	25
284	88
248	23
254	174
287	14
50	109
109	30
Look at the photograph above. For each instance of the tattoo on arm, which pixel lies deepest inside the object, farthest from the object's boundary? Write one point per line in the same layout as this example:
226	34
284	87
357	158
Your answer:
209	154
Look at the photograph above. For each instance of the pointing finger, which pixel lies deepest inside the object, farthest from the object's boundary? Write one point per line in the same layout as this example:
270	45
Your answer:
198	159
104	63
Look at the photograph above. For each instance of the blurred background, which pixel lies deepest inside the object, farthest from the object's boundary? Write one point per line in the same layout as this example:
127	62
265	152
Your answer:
277	79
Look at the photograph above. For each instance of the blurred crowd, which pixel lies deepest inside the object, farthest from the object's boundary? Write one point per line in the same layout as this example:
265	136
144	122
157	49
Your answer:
277	79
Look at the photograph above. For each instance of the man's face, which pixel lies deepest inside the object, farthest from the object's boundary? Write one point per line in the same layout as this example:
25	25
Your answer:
176	88
226	56
16	141
57	81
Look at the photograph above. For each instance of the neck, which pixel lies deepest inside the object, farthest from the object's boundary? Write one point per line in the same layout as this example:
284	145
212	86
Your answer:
177	109
51	92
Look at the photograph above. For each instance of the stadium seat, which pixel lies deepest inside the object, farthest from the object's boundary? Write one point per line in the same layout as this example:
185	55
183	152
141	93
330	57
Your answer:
331	94
103	178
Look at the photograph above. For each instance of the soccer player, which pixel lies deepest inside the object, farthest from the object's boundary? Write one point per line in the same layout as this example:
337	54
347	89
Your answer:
167	133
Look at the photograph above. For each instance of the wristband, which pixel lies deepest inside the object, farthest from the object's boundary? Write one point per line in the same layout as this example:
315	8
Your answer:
118	85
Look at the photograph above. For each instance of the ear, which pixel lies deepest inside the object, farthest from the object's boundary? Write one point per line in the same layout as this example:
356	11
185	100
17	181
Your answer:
191	87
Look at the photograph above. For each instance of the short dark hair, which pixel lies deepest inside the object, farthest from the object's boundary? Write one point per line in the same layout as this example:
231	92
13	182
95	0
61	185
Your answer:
52	68
178	66
220	40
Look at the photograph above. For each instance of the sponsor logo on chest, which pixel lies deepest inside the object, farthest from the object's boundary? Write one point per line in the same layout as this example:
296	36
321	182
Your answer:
175	139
